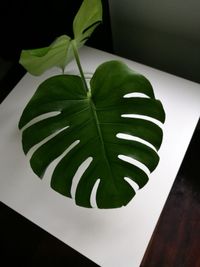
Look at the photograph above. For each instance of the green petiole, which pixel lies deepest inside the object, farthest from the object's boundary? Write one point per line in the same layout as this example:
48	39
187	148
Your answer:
75	50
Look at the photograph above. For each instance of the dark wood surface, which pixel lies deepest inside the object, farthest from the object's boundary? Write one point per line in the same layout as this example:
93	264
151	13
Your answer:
176	239
23	244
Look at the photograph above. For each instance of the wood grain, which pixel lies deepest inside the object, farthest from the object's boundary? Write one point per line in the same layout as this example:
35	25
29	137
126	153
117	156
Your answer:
176	239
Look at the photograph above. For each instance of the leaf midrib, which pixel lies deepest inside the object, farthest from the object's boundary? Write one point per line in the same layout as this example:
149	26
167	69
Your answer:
97	123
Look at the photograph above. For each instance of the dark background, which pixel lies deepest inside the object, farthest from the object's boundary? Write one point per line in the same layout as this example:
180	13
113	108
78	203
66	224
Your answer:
175	243
33	24
162	34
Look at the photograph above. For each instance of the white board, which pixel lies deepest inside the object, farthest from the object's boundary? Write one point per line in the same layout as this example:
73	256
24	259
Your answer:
111	238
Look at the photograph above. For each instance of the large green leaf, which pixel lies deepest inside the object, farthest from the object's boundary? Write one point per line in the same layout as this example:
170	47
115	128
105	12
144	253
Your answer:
60	52
94	119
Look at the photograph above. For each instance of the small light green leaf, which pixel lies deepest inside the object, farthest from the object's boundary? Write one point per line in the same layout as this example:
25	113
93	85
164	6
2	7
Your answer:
86	125
37	61
60	52
86	20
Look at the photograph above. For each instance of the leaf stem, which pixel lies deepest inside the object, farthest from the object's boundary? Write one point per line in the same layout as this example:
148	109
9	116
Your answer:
75	50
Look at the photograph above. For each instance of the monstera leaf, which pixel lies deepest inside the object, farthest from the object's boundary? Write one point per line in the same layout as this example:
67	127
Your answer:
84	130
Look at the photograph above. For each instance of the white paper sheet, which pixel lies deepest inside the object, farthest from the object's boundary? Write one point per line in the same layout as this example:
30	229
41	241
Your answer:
111	238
